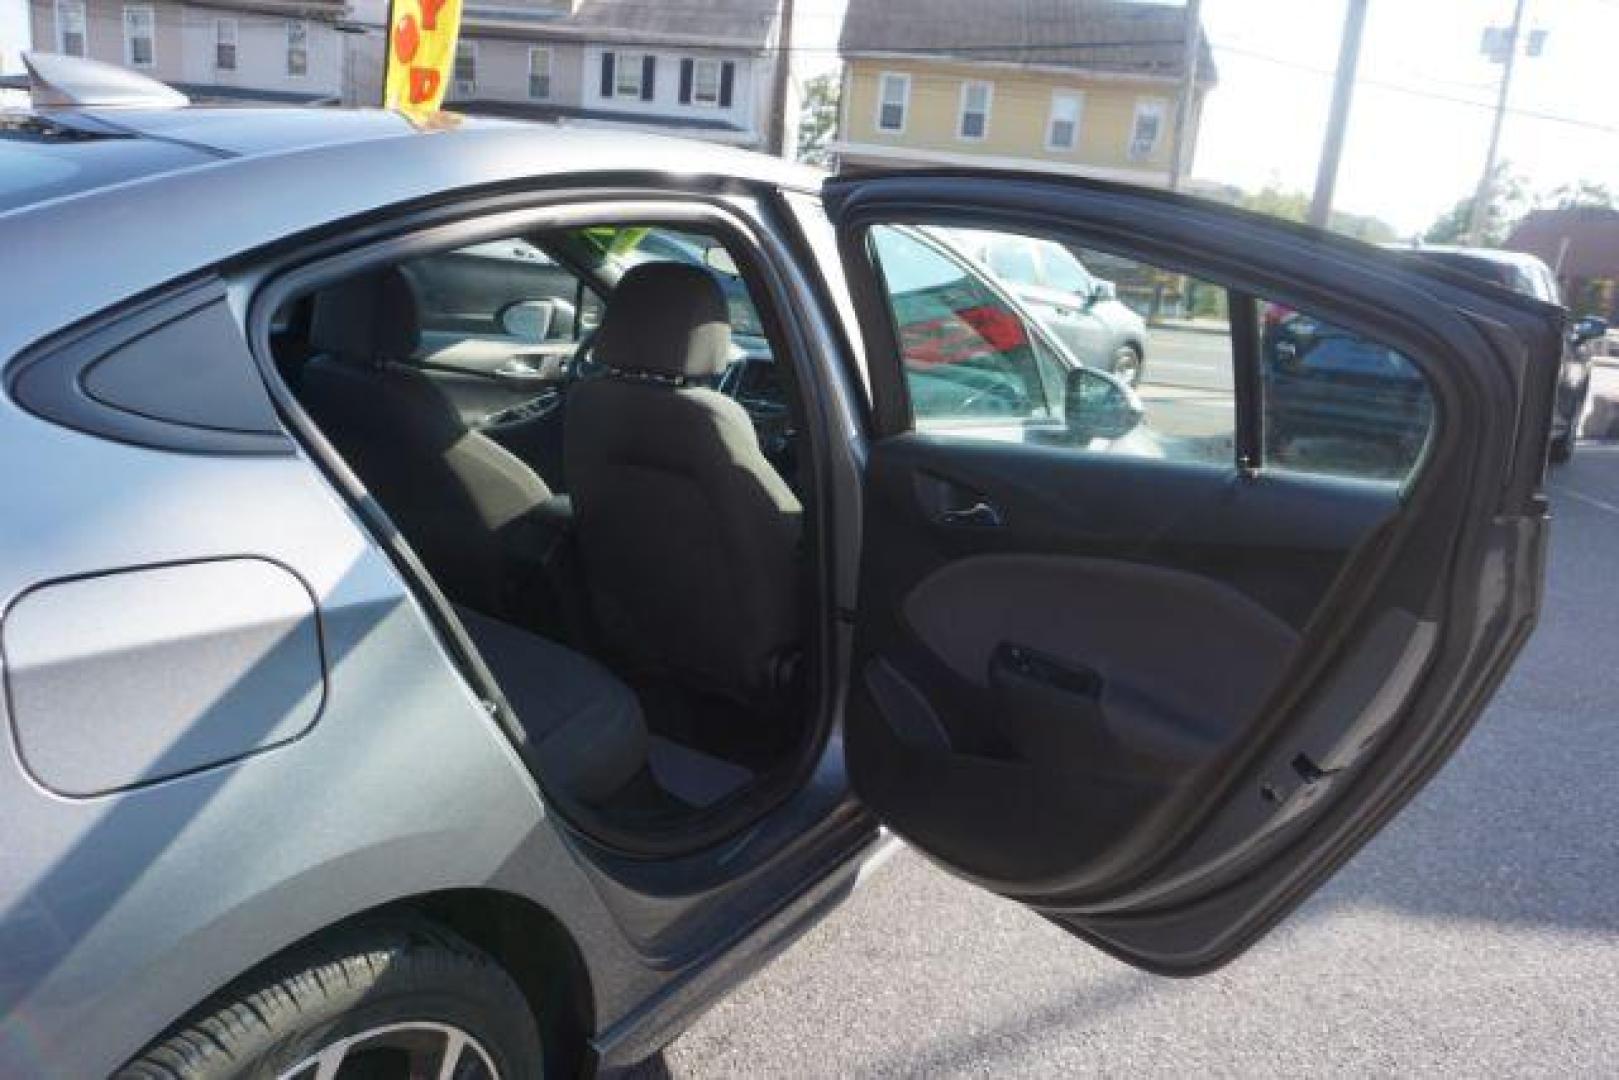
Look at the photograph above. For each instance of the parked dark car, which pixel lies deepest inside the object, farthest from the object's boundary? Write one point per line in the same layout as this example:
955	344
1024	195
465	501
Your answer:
377	709
1526	274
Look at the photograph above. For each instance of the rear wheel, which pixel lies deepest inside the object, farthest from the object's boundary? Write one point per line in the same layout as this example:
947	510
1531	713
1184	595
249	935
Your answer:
386	1000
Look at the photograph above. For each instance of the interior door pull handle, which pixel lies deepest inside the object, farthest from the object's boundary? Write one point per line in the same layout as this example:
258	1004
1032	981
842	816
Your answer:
979	515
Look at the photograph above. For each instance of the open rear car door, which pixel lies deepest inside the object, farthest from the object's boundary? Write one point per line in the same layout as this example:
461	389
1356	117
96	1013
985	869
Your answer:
1160	701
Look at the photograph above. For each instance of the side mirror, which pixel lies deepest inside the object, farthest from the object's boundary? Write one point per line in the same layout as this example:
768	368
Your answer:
1589	328
1098	406
1101	291
527	320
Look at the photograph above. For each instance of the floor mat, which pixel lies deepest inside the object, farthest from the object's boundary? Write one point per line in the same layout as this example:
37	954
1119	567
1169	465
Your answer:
692	776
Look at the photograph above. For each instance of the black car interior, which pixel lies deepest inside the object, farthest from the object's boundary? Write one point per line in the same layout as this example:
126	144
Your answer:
604	506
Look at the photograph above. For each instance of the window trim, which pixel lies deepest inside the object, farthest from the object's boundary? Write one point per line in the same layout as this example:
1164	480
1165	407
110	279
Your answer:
1078	98
220	25
150	12
904	79
1143	106
468	50
550	62
62	8
967	87
303	25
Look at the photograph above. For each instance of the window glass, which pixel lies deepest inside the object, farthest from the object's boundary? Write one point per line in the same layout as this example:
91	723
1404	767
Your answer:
1147	129
225	44
139	48
70	27
705	82
297	48
1062	130
974	110
539	73
894	93
966	350
466	67
1336	403
1014	261
1063	271
627	75
988	353
1105	354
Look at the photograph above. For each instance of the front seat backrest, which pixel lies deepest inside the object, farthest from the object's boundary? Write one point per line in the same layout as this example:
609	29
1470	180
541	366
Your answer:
451	490
688	536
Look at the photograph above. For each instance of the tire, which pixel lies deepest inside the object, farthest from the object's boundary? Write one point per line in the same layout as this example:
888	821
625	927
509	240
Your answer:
408	988
1127	365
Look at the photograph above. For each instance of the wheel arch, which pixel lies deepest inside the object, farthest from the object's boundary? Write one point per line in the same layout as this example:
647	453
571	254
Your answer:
528	942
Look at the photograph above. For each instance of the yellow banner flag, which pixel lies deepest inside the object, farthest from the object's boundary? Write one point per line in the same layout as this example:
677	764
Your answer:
421	53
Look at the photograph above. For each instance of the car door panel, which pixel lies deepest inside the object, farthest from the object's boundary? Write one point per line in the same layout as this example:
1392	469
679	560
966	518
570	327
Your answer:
1160	701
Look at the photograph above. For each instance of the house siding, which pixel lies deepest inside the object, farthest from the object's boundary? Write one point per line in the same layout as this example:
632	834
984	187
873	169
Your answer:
184	45
1019	113
503	70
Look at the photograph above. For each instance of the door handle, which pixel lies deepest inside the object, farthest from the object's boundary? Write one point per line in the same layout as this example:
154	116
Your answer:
980	515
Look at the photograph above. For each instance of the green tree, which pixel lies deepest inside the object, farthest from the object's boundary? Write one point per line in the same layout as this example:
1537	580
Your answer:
818	118
1277	201
1509	201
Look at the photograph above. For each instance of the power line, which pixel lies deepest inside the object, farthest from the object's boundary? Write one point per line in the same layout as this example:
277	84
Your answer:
1415	91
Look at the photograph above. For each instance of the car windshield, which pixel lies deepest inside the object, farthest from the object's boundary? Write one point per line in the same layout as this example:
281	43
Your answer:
621	248
1063	271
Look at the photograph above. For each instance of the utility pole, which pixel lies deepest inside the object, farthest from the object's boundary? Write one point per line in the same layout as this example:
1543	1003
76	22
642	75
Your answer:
1180	158
1343	90
776	136
1486	183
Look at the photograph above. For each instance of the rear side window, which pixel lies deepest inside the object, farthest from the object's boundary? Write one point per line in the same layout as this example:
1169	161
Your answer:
1138	360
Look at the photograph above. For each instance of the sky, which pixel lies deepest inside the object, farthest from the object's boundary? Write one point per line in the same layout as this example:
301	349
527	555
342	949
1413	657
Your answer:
1409	154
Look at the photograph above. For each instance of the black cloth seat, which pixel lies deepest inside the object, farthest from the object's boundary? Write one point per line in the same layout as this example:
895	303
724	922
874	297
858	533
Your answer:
688	536
585	730
461	499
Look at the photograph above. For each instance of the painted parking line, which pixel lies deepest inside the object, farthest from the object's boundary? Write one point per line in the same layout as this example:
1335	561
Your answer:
1589	500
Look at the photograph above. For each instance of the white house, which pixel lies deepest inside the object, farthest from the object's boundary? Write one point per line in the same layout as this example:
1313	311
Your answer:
707	70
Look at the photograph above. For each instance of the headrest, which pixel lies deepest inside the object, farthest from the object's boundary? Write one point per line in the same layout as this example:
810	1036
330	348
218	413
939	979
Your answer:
369	318
668	319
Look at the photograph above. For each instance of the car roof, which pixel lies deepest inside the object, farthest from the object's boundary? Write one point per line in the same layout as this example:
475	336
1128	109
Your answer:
269	174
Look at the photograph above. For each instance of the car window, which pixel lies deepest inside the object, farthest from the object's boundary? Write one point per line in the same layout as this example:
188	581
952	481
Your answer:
1063	271
1150	372
1014	261
617	250
504	289
1338	403
966	350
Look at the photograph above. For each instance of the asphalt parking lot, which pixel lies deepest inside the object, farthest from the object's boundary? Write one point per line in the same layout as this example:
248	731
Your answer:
1478	935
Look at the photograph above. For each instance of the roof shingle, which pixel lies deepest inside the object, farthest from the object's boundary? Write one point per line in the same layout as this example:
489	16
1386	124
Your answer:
1113	36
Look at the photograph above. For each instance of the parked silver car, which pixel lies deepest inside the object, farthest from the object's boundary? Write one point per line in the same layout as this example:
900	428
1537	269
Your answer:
1083	311
396	687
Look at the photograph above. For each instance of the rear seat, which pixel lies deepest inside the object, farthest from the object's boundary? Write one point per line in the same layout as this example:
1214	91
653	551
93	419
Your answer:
585	730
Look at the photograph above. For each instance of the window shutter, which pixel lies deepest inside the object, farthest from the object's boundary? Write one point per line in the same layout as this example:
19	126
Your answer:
727	83
686	67
649	71
607	74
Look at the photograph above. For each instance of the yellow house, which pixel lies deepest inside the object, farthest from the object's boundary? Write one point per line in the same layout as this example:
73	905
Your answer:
1082	86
